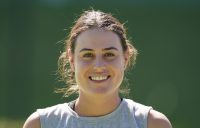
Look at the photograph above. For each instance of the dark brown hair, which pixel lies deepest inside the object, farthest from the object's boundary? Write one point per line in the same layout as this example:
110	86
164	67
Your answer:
91	19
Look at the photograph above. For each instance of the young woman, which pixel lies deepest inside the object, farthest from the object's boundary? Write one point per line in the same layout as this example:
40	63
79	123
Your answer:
97	52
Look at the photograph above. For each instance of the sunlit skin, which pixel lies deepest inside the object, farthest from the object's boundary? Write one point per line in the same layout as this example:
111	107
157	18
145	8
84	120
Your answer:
98	54
98	62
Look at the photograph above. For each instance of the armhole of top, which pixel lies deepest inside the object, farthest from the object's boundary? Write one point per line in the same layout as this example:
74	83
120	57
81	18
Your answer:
147	116
142	113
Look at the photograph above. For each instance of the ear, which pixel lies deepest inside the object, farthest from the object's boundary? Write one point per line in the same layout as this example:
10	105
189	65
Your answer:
126	58
71	58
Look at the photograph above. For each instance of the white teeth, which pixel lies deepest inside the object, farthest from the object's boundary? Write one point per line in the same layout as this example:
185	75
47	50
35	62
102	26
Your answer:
99	77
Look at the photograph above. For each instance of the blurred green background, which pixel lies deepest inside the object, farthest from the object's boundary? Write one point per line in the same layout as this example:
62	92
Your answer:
166	34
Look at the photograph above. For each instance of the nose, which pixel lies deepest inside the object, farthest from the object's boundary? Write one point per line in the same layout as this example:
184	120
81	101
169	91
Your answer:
99	64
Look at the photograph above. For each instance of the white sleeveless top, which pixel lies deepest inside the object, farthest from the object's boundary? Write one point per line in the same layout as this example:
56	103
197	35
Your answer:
128	114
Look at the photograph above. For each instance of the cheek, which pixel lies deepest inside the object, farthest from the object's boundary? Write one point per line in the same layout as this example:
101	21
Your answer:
81	67
80	64
117	73
117	69
118	63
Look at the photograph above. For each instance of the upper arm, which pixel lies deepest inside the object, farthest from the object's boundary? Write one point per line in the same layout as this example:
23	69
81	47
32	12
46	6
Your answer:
158	120
33	121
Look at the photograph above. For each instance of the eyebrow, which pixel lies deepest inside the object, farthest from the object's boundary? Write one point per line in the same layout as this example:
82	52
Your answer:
105	49
110	48
85	49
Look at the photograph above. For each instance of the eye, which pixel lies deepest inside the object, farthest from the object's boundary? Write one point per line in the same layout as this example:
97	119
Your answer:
109	55
88	55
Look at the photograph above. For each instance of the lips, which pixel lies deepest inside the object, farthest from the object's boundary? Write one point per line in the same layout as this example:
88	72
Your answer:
99	78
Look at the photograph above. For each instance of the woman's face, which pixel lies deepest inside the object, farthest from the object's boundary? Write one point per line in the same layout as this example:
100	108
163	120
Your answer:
98	62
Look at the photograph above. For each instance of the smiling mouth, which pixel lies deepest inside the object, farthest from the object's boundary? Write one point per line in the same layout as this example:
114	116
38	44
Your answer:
99	78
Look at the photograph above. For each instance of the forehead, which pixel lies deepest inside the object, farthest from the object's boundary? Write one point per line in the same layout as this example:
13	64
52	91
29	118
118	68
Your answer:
98	39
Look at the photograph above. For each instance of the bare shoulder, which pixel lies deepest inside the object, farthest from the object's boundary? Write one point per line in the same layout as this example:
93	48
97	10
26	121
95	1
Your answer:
158	120
33	121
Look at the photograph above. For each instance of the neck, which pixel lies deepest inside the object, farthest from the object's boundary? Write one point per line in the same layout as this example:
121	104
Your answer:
96	106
